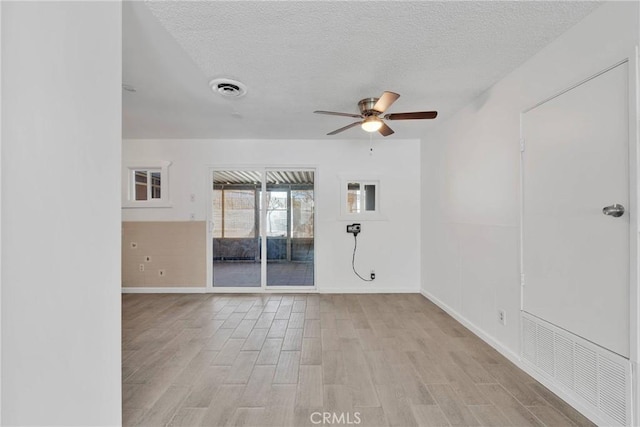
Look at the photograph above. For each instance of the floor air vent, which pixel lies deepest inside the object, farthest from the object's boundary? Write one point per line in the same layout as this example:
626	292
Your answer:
591	374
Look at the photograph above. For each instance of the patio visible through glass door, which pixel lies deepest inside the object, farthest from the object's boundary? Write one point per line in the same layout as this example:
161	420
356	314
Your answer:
236	228
289	227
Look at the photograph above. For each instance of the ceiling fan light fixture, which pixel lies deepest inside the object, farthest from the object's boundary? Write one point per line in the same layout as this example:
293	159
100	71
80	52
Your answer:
372	113
371	124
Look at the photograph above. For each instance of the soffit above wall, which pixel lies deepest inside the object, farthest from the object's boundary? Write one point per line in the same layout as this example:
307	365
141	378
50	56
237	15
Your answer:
253	177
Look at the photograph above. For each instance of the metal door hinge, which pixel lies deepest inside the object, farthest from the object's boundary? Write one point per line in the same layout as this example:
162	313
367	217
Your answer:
522	280
522	145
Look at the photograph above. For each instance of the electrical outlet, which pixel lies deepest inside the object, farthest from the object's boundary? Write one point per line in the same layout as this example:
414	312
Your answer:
134	245
373	274
354	228
141	267
161	273
147	258
502	317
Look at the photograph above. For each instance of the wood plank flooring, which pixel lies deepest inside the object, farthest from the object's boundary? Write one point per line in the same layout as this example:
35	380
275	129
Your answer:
274	360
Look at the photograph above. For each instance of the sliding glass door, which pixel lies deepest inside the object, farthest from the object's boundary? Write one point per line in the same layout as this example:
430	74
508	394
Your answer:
236	228
289	228
262	228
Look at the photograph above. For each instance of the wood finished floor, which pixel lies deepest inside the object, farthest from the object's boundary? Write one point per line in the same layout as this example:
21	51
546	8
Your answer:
273	360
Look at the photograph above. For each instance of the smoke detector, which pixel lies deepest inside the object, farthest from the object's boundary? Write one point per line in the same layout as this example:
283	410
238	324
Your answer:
227	87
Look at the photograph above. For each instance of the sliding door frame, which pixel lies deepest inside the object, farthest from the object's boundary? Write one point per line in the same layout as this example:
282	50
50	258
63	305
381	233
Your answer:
263	288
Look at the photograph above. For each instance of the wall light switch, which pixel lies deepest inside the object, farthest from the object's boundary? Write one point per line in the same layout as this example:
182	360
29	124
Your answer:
192	217
147	259
161	273
192	198
134	245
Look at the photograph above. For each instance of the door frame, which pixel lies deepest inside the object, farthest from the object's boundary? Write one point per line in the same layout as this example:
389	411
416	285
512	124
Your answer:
631	58
263	288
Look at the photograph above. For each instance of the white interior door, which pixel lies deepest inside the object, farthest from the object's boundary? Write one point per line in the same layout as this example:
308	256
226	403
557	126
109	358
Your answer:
575	163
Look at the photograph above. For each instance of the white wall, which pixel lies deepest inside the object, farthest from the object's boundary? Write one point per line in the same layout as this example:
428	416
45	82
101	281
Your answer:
390	246
0	212
470	181
61	155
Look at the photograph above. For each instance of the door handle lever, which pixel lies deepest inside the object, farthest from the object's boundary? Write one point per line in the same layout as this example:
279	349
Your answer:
614	210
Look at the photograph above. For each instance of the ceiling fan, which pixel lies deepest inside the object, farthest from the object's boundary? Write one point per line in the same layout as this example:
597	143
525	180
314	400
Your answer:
371	110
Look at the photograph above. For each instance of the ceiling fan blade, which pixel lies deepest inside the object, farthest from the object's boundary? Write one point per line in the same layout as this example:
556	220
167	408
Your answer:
385	101
412	116
344	128
333	113
385	130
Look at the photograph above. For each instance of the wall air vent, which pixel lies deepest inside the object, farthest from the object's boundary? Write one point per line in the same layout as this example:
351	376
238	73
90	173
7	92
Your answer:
228	88
592	375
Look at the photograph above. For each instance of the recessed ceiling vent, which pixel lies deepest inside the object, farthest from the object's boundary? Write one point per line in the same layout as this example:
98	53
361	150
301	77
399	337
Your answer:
227	87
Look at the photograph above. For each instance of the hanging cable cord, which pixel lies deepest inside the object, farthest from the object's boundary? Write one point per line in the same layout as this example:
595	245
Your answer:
353	259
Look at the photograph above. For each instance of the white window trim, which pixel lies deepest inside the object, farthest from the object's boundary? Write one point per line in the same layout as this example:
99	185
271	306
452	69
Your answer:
128	200
365	215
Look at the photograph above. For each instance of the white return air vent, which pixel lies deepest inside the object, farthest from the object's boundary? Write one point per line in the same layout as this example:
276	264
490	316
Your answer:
589	373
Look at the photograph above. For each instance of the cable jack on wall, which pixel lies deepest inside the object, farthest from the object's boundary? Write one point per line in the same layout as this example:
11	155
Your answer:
356	229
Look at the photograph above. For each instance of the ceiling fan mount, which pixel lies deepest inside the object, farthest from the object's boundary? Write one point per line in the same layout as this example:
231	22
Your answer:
366	107
370	111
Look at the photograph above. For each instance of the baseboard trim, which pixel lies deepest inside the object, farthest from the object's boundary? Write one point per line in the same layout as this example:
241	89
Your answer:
248	290
516	360
163	290
506	352
369	291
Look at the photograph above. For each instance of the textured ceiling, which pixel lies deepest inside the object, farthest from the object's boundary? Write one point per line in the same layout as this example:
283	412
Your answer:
297	57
